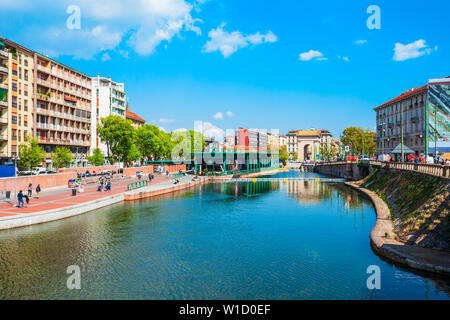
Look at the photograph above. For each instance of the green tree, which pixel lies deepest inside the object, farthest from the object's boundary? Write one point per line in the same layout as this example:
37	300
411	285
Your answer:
61	157
284	156
118	134
97	157
31	154
188	142
153	142
132	155
353	137
295	156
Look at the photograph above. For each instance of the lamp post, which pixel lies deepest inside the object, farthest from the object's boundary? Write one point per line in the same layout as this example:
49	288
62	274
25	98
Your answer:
401	124
15	158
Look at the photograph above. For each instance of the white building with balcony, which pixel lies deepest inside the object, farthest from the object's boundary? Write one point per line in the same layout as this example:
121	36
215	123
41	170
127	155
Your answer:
108	98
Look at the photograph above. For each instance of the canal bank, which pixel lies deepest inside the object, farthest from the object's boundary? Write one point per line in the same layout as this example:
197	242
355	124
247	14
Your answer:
383	241
241	240
68	206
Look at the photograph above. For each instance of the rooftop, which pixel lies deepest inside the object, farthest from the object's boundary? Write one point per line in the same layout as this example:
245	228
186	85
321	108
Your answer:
134	116
404	95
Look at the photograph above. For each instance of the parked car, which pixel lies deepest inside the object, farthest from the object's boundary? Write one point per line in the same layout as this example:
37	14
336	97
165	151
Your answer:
364	158
39	170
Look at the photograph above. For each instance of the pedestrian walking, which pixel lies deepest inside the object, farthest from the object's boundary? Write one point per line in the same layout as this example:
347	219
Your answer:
30	190
27	199
20	199
38	191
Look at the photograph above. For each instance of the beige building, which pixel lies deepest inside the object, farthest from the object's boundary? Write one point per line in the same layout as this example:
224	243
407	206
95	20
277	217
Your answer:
306	143
16	104
282	140
405	115
62	110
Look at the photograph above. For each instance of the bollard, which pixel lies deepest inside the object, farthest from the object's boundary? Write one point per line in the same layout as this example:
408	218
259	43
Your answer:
74	192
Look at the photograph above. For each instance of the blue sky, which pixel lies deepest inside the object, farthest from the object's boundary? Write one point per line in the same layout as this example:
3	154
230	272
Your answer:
270	64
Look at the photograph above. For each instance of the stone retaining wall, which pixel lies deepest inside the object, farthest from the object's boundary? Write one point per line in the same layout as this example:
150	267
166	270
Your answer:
149	169
46	181
91	169
382	240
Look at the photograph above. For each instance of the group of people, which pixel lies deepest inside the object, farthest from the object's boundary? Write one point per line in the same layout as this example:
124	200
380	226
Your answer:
420	159
21	196
104	184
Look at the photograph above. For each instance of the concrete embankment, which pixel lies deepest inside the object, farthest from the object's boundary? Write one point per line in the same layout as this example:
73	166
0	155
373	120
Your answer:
28	219
153	190
383	241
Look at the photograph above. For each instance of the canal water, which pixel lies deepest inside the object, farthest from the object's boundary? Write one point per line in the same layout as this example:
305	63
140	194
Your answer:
263	240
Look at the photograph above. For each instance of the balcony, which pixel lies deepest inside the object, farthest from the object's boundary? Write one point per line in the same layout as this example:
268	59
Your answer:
3	53
4	86
4	70
3	138
414	119
44	69
67	142
398	122
3	104
3	121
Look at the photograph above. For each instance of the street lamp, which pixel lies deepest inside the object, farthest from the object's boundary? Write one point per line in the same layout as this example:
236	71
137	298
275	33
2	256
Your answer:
15	158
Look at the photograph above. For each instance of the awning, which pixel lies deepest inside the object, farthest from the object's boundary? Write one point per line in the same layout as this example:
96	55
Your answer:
406	149
2	44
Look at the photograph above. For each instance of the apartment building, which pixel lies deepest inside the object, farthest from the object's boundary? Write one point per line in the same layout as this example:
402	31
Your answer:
251	140
16	83
134	118
282	140
402	116
108	98
62	113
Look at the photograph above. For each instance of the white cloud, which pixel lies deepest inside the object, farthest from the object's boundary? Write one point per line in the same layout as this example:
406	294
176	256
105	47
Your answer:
230	42
181	130
141	25
229	114
312	54
218	116
162	129
344	58
106	57
361	41
212	131
81	44
162	120
412	50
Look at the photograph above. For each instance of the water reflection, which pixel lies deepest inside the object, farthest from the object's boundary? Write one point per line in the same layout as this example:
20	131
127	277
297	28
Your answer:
263	240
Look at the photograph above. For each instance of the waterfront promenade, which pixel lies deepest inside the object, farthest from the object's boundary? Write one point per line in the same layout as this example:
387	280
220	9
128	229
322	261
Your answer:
59	198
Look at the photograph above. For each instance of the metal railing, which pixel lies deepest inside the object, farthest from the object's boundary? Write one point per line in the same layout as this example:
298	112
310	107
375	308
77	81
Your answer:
137	185
431	169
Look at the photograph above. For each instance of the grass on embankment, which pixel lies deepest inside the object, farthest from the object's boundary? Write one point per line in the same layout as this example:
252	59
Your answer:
419	205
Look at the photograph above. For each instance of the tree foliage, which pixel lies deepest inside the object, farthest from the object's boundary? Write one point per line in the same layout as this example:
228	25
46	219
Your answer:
118	134
97	157
327	151
61	157
284	156
353	137
31	154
